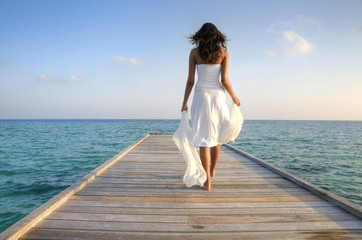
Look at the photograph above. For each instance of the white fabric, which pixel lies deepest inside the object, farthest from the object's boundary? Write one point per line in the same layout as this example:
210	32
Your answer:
235	126
210	115
195	173
208	76
211	120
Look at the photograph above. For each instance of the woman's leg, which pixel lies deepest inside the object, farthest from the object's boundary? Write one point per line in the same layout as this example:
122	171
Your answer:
214	157
205	160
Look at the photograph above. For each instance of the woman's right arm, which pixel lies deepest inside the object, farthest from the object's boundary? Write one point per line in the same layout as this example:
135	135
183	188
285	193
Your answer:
225	79
190	80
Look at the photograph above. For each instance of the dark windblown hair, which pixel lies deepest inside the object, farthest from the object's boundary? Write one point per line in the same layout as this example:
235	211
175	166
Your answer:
209	41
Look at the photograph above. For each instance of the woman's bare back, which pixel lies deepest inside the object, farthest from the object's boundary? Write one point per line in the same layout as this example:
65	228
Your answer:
199	60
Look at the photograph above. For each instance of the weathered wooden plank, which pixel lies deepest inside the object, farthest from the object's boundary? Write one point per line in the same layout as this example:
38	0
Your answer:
180	172
175	159
146	151
204	219
196	205
177	180
195	194
218	177
216	185
199	227
331	210
125	218
167	164
117	188
249	235
200	199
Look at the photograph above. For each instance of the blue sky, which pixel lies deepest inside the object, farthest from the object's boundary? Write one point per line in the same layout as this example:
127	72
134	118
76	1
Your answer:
128	59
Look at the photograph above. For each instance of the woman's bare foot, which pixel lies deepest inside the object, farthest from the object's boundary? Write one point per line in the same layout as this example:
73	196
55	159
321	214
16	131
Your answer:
207	185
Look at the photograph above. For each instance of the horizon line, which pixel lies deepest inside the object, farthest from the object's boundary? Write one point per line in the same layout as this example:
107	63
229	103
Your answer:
252	119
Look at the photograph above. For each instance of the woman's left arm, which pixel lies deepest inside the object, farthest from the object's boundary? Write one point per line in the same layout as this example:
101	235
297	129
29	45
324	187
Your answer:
190	80
225	79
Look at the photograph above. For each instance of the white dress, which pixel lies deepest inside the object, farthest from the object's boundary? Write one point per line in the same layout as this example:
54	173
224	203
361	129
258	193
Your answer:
210	114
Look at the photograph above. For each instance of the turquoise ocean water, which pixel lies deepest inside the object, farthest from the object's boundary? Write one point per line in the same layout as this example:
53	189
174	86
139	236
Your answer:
40	158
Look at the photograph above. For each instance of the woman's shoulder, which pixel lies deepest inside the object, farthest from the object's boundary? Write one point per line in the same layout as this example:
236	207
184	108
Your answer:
224	55
194	51
224	52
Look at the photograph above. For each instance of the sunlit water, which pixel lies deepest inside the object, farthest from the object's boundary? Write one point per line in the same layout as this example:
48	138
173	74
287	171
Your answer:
40	158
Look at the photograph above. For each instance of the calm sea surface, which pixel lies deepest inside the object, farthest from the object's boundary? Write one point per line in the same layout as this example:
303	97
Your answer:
40	158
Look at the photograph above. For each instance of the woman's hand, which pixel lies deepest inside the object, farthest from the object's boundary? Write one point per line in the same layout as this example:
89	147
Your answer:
184	108
237	101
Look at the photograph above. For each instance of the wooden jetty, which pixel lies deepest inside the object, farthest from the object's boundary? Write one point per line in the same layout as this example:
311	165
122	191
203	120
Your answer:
139	194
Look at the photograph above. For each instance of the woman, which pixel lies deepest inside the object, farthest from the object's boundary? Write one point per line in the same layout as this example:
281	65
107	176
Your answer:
209	111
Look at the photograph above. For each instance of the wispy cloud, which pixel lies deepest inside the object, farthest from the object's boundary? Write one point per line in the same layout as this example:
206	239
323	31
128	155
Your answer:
296	44
311	21
315	23
74	78
50	77
271	53
4	62
130	61
77	78
360	29
288	78
274	26
47	77
268	70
